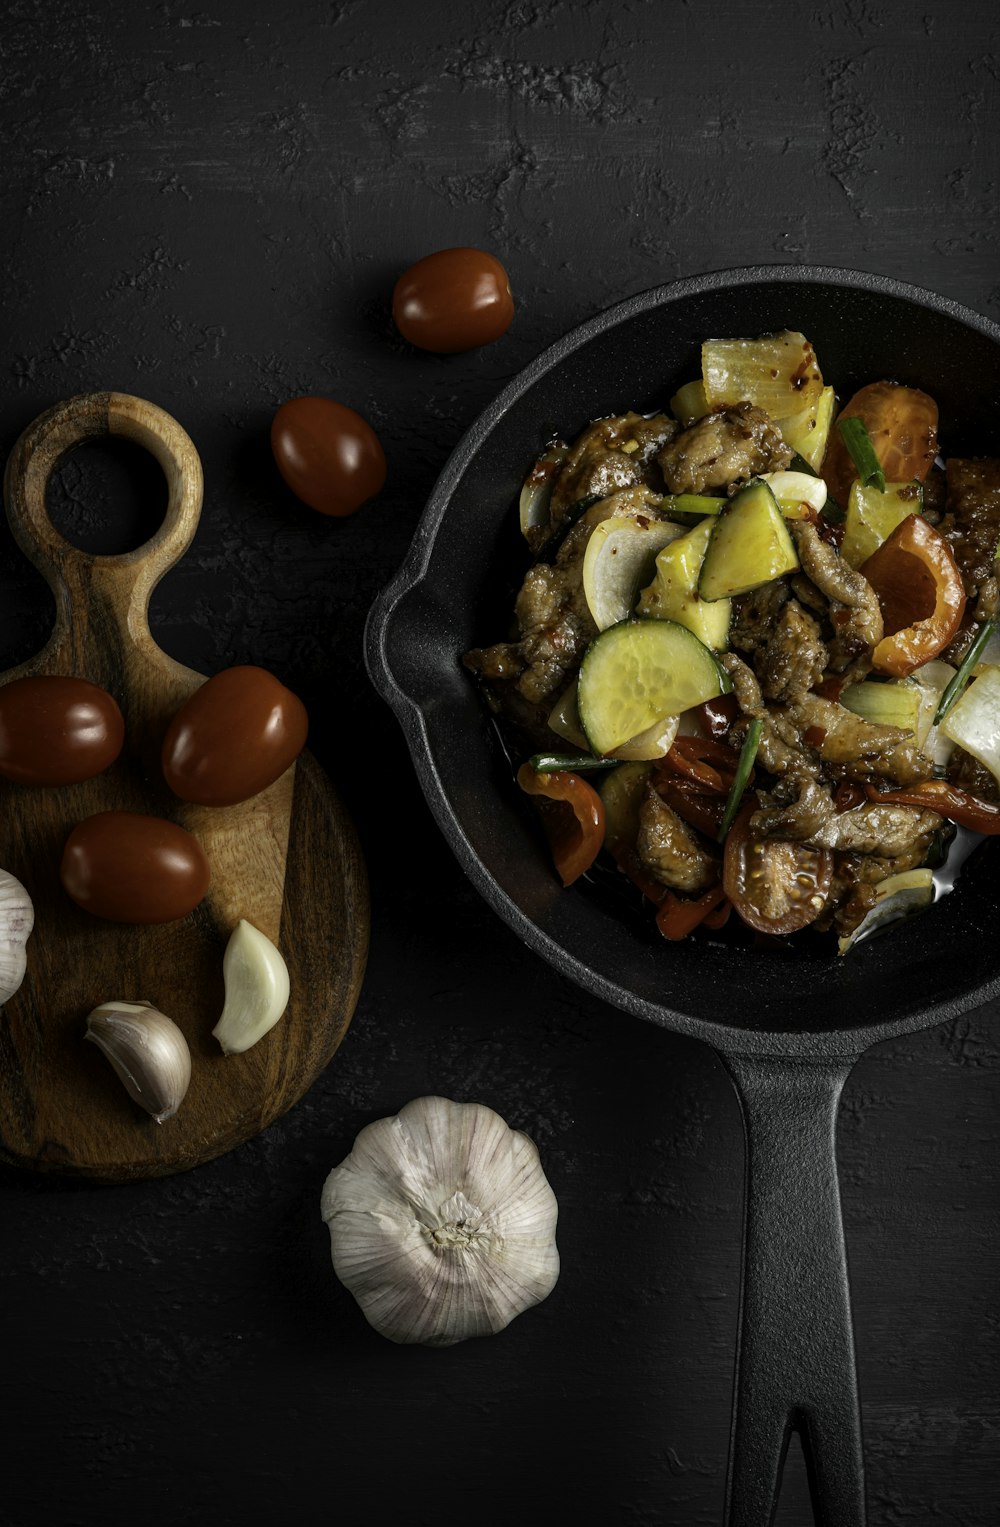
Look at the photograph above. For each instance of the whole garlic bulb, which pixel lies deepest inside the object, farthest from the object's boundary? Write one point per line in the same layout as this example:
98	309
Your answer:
442	1223
17	918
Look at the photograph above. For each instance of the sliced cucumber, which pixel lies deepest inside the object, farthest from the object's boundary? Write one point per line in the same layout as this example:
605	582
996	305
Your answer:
808	429
750	545
892	704
620	557
872	516
636	674
673	593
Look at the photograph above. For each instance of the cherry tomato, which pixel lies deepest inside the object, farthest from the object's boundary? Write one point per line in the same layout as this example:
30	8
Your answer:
902	423
132	868
57	730
456	299
233	737
921	595
328	455
775	886
572	816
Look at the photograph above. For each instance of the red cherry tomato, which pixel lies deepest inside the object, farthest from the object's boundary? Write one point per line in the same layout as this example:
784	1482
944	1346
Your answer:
456	299
775	886
921	595
902	423
572	816
132	868
328	455
57	731
233	737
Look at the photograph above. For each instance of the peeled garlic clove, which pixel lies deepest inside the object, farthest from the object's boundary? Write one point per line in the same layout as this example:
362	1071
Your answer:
17	918
147	1050
257	989
442	1223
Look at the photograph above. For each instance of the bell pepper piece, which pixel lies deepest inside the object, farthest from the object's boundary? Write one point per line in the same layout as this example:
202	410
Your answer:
920	591
572	816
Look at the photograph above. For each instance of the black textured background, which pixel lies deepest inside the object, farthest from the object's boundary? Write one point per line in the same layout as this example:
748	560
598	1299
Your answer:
207	204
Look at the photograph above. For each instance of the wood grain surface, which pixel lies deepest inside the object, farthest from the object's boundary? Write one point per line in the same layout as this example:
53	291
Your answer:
287	860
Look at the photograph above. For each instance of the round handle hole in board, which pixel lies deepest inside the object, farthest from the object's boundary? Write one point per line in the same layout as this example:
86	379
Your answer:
107	496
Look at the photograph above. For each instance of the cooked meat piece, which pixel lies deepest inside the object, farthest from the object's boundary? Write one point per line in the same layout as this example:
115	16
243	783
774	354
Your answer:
789	656
553	619
755	615
793	658
852	911
935	495
723	448
809	595
971	525
838	735
886	830
854	607
669	850
858	749
778	750
611	453
971	775
800	807
745	685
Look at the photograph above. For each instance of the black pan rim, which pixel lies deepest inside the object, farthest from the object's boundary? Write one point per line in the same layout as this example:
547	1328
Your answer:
791	1044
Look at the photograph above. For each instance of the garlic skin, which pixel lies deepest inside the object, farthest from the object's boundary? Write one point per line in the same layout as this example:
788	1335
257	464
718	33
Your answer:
257	989
17	918
147	1050
442	1223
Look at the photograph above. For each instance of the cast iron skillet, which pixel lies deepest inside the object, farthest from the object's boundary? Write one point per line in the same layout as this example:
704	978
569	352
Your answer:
789	1026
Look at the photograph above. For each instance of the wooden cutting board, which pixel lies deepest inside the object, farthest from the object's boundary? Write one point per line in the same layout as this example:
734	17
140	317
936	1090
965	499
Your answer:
288	861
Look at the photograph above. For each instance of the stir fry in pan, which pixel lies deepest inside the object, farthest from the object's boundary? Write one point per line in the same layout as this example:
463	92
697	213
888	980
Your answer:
752	664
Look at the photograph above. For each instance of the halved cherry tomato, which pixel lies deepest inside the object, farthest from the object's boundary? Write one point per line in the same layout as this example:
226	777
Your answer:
677	917
902	423
950	801
572	816
775	886
920	593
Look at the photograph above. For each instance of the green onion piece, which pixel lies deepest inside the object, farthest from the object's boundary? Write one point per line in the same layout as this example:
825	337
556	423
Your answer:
551	763
748	752
961	678
854	433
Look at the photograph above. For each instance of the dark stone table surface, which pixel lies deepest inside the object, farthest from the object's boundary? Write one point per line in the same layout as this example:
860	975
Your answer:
206	202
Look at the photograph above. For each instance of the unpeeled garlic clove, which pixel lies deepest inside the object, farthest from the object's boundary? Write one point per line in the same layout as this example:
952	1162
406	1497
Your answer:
17	918
257	989
442	1223
147	1050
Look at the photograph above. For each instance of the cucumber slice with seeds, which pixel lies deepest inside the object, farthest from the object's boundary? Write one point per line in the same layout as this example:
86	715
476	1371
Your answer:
750	545
638	672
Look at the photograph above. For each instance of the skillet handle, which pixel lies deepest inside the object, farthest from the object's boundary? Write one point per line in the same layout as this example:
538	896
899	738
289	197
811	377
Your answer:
795	1368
